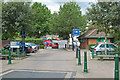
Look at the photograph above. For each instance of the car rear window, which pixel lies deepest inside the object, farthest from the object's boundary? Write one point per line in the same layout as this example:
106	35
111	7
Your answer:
112	46
103	45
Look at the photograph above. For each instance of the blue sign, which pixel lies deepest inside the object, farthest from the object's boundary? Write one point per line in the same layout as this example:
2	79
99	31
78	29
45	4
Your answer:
18	43
22	43
75	32
22	33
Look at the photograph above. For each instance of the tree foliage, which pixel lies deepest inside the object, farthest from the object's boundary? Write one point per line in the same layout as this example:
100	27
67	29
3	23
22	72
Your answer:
105	15
68	18
40	19
16	16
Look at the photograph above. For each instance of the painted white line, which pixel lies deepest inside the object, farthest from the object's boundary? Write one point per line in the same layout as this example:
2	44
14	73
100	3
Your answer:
68	75
6	73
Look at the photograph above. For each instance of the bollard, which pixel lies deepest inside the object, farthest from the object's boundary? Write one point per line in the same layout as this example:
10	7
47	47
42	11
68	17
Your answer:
19	53
116	67
9	62
76	52
85	62
79	57
3	51
23	53
93	54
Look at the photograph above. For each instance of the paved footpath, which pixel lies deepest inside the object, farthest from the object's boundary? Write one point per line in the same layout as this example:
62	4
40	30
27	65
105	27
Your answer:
56	63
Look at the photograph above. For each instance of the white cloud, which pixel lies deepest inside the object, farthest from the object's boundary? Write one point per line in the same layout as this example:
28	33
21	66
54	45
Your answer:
54	5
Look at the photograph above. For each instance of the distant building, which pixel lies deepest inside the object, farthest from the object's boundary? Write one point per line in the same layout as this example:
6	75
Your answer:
92	37
52	36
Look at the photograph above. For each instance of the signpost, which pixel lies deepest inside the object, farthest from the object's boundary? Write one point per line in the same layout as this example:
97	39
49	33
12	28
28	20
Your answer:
22	33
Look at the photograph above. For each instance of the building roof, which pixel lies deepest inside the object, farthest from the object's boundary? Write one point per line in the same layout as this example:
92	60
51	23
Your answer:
94	34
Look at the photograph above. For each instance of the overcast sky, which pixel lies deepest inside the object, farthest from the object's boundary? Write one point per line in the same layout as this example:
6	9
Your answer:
54	5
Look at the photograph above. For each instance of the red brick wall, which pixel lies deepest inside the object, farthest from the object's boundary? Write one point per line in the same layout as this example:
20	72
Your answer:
108	40
83	45
4	42
91	41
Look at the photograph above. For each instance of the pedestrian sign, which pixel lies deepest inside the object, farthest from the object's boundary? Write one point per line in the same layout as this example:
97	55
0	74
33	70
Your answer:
22	43
22	32
75	32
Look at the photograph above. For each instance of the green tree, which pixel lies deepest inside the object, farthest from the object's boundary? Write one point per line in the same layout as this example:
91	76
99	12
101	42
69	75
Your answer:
101	14
16	16
68	18
40	19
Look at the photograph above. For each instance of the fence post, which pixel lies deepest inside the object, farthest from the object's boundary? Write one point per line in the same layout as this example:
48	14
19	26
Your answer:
23	53
93	54
19	53
9	62
76	52
79	58
116	67
3	51
85	62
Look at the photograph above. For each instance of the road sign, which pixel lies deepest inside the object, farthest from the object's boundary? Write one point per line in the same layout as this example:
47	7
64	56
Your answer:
22	43
22	32
14	44
18	43
75	32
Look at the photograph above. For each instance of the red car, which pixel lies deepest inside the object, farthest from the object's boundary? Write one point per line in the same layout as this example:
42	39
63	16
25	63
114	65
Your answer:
49	43
54	45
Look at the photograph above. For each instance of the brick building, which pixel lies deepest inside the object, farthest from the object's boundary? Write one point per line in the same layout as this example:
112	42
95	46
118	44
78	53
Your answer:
4	42
92	37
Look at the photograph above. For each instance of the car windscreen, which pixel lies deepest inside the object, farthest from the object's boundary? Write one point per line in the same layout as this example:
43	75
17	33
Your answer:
32	44
96	45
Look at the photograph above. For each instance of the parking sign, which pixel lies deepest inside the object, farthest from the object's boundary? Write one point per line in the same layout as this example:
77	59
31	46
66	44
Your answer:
75	32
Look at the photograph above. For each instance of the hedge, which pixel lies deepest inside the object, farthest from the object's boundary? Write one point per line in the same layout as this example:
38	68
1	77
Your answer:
38	41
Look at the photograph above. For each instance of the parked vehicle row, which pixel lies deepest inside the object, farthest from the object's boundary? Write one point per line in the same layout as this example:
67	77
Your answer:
50	43
29	47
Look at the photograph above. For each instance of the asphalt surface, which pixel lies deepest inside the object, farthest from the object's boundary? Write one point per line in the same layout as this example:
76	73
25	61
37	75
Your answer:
57	63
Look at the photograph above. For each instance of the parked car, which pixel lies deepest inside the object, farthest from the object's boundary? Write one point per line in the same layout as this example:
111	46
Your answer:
6	47
101	47
34	47
92	47
28	49
38	46
54	45
49	43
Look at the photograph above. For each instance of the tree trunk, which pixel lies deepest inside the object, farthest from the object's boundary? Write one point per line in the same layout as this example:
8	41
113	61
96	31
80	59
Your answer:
105	43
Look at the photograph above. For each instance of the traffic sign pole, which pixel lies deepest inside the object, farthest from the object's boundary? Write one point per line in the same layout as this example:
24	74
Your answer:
9	62
79	58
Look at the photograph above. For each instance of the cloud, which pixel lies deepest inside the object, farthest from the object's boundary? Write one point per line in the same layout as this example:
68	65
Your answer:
54	5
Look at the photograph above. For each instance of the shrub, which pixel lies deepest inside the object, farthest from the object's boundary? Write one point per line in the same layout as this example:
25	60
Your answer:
38	41
6	51
91	45
41	46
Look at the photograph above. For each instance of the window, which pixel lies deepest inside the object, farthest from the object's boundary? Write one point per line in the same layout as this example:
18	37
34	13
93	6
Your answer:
102	45
112	46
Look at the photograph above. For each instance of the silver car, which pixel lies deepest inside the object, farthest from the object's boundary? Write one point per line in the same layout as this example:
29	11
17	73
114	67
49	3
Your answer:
34	47
101	47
